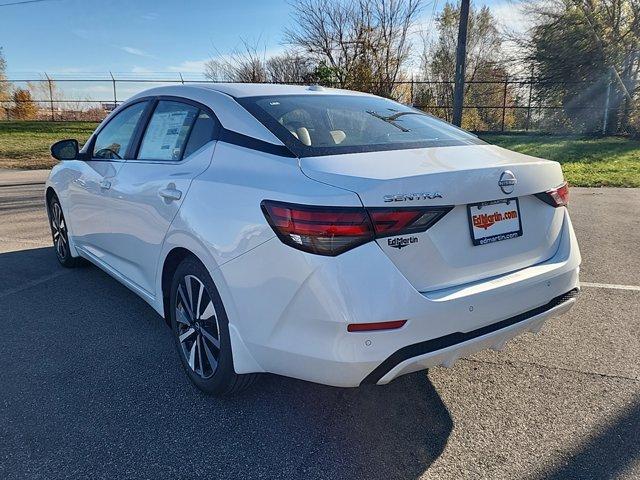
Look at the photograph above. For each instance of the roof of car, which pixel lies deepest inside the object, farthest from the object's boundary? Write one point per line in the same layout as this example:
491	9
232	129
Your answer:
238	90
221	98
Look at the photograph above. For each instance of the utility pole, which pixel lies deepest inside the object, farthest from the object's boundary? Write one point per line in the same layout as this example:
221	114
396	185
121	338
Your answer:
53	117
461	53
605	119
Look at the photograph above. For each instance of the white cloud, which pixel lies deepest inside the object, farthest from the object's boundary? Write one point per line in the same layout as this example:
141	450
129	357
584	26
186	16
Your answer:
512	16
189	66
135	51
198	65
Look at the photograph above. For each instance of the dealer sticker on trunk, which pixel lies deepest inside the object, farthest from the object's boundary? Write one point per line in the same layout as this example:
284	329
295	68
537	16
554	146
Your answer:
494	221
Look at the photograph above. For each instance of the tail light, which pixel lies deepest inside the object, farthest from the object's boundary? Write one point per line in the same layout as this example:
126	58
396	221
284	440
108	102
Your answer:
556	197
334	230
388	222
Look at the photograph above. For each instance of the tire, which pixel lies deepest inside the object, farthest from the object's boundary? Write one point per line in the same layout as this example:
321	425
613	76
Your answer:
59	234
201	331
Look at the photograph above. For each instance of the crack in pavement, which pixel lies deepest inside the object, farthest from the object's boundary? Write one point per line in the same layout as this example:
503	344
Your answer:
511	363
33	283
40	243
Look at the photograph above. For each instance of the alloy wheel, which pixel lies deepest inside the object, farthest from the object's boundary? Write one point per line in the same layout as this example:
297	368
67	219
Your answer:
59	231
197	326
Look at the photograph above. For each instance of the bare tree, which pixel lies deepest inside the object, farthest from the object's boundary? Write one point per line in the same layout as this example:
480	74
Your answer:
4	86
246	64
41	91
484	62
364	44
290	67
330	32
393	21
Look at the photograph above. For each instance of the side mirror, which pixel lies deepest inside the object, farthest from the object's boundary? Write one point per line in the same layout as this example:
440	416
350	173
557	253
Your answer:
65	150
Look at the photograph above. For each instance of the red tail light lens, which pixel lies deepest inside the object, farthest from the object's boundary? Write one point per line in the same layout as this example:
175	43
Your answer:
334	230
556	197
400	221
321	230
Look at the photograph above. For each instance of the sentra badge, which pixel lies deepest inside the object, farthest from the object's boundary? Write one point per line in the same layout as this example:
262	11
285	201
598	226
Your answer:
407	197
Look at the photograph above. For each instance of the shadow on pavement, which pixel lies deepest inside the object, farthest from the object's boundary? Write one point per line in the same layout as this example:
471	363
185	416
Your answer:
90	386
608	453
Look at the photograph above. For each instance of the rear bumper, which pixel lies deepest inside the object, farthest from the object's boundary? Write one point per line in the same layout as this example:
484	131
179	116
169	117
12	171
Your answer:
290	316
446	350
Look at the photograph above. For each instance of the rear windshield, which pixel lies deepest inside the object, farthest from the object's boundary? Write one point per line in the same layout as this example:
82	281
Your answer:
312	125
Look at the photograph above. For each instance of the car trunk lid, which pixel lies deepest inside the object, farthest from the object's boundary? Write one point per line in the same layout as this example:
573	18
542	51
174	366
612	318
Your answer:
459	177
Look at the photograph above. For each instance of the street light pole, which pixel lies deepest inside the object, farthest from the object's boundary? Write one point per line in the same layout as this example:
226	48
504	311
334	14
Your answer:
461	53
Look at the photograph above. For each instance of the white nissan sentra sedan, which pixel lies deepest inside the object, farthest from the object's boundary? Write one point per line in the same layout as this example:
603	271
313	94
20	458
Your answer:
321	234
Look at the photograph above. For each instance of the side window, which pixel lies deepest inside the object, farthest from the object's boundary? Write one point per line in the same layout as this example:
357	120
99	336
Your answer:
115	138
201	133
168	131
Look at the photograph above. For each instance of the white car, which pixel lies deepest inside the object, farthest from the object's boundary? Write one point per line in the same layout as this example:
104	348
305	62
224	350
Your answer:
321	234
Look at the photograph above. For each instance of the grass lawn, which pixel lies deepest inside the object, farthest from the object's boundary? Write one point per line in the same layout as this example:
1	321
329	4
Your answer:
26	144
587	162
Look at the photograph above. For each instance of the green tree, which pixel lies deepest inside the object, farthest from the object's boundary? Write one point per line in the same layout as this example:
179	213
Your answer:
578	48
485	62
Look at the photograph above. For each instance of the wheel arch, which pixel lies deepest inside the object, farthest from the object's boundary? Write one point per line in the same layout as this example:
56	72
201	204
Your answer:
171	262
50	193
242	358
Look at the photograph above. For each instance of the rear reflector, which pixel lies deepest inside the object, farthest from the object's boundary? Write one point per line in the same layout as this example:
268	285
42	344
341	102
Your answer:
334	230
369	327
556	197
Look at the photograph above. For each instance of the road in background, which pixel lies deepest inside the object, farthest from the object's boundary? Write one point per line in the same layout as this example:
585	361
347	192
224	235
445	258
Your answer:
90	384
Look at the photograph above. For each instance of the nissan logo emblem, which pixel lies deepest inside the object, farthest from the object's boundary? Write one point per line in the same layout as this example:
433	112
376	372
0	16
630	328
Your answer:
507	182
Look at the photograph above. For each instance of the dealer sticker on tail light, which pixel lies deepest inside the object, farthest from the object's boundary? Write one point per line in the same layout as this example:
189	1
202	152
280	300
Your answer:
494	221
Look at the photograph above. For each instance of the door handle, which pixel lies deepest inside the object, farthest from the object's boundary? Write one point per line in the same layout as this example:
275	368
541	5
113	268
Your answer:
105	184
170	194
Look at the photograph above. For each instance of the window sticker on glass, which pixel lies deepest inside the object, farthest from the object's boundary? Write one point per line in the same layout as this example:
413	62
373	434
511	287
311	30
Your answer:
167	131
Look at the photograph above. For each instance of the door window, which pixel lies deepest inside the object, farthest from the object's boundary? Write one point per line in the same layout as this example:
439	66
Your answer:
168	131
114	139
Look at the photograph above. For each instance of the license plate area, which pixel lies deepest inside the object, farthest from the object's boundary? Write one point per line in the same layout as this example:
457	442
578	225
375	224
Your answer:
494	221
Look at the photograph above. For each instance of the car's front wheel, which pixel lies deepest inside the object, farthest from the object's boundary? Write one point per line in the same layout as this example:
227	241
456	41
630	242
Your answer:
60	234
201	331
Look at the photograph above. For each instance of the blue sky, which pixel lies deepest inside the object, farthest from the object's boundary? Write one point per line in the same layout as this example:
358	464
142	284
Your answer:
76	36
150	39
142	36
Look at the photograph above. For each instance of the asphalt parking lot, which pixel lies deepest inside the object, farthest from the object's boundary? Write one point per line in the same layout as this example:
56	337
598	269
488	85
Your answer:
90	385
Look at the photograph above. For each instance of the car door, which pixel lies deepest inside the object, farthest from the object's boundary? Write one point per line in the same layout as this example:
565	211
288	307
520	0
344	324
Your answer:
88	193
176	145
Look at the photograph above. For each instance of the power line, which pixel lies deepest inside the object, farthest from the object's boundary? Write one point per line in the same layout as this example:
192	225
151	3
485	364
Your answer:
22	2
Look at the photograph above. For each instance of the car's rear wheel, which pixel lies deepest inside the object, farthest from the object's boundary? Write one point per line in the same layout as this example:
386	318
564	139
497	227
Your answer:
60	234
201	331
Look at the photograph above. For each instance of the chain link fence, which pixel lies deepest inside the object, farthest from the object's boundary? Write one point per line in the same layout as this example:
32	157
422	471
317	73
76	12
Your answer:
497	105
